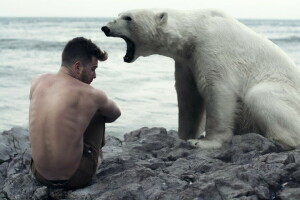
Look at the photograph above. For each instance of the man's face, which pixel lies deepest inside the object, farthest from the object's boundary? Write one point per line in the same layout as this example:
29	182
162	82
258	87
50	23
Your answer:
88	72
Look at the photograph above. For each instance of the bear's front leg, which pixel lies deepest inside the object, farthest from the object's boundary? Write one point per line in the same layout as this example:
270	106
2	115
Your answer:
220	105
190	104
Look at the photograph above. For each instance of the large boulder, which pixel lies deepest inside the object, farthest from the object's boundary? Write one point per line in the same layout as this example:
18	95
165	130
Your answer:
152	163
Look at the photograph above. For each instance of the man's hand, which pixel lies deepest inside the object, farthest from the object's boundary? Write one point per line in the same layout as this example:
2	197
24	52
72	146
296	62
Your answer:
100	158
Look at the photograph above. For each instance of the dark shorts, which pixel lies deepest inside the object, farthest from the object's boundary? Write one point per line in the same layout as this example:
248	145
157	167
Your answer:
94	140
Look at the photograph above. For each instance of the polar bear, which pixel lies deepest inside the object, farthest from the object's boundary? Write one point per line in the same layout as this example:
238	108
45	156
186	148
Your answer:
229	79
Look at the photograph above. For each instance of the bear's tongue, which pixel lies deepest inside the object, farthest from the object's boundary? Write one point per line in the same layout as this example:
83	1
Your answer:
130	50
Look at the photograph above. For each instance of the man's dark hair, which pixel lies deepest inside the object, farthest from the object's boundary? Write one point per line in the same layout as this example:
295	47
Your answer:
81	49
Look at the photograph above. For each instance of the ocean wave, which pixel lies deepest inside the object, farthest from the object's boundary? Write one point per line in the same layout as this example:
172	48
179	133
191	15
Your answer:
42	45
286	39
29	44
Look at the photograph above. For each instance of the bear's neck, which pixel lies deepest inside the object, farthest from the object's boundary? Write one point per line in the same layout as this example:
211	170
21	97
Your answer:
176	45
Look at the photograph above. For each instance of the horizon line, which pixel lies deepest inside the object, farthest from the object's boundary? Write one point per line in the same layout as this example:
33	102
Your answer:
245	18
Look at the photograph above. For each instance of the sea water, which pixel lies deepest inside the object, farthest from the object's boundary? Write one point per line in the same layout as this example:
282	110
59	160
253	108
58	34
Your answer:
144	90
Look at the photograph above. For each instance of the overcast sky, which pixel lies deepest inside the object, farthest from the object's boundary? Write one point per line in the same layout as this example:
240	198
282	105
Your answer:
280	9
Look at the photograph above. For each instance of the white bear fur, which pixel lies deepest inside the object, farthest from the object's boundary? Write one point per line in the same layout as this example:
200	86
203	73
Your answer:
229	79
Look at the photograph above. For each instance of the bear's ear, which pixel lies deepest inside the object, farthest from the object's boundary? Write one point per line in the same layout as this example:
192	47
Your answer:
162	18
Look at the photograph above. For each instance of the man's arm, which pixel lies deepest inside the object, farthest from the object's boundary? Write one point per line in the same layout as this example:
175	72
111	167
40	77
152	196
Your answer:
107	107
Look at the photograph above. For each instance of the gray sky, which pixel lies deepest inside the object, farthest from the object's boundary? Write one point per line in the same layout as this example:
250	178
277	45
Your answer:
280	9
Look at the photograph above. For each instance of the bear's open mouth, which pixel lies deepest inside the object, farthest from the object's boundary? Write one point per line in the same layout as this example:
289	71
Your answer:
130	50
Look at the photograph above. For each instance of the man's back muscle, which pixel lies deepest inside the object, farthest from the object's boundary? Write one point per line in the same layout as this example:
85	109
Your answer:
60	110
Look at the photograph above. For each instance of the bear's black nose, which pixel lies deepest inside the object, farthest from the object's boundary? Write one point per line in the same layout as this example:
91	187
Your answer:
106	30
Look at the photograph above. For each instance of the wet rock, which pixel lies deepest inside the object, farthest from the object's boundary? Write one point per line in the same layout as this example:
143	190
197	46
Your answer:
290	193
4	152
20	186
40	194
152	163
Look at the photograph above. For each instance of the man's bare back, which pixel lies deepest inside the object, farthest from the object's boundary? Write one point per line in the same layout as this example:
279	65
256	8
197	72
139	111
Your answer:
61	108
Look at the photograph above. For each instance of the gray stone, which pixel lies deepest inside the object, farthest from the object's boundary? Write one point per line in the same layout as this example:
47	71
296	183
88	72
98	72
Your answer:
3	173
4	152
20	186
40	194
290	194
154	164
17	139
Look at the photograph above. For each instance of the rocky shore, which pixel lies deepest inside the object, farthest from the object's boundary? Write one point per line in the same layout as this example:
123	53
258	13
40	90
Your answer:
152	163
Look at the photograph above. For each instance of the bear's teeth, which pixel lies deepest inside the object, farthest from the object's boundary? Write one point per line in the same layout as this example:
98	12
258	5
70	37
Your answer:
130	49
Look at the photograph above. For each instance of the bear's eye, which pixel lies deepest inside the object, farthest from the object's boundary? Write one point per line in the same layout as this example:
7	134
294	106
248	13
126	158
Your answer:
127	18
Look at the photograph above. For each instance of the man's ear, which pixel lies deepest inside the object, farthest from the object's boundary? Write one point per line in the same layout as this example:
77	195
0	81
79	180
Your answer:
77	67
162	18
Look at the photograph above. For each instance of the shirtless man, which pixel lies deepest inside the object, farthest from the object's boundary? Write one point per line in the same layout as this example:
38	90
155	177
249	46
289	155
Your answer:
67	118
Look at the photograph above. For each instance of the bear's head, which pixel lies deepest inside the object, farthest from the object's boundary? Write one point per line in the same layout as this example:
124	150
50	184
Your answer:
141	31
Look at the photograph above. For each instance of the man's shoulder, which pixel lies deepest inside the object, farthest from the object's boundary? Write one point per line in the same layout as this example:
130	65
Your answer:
36	81
40	77
93	91
43	75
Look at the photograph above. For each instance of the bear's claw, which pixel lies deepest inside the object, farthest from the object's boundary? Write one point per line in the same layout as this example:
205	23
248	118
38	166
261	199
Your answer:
204	144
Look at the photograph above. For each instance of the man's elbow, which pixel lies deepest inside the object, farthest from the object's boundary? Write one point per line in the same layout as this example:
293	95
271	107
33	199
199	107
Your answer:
118	114
113	118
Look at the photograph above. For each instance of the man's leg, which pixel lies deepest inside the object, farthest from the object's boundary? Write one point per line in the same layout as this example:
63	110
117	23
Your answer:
94	138
94	135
